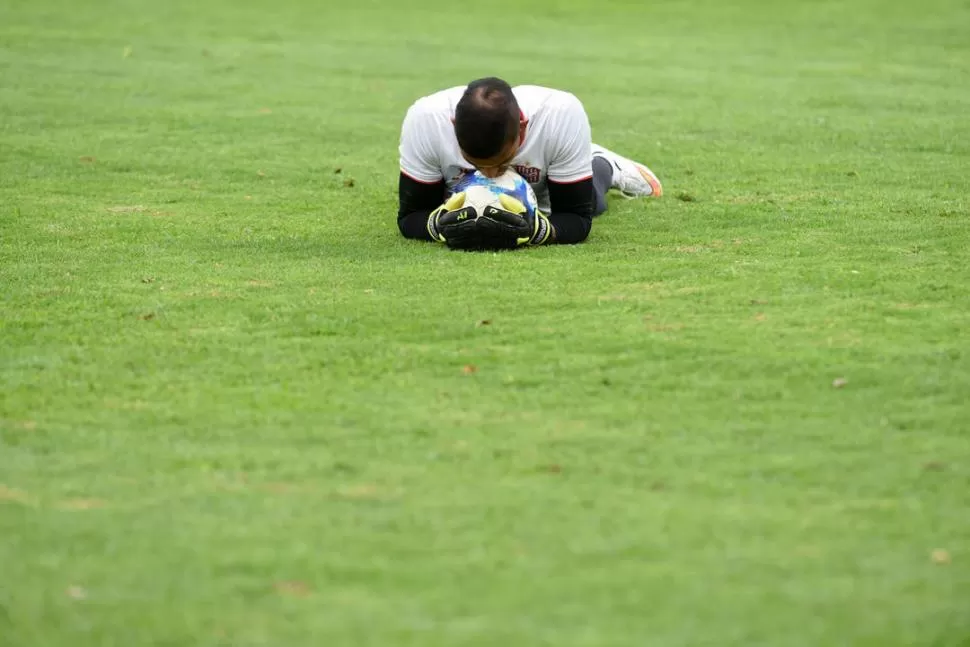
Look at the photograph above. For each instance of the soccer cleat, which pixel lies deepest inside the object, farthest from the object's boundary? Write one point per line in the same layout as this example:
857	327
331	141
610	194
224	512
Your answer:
630	178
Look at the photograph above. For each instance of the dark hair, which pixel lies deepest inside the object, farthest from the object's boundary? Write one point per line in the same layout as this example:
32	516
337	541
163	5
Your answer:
486	118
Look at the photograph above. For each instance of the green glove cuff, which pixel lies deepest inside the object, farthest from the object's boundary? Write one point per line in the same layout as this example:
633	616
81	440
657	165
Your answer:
453	203
544	232
433	225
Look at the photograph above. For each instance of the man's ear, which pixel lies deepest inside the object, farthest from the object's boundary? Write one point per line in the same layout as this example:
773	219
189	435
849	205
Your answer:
523	126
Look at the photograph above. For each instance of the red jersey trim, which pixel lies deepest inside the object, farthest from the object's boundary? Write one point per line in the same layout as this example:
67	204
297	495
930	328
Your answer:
409	176
582	179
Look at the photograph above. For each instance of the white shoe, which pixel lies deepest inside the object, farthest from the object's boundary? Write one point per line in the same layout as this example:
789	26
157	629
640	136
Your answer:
630	178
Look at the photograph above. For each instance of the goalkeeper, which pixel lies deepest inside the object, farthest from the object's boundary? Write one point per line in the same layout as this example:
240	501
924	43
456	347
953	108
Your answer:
543	134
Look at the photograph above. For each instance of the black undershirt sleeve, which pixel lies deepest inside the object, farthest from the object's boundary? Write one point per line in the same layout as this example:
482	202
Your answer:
572	210
416	201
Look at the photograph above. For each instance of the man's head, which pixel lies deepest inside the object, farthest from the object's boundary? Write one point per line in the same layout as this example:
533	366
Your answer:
489	125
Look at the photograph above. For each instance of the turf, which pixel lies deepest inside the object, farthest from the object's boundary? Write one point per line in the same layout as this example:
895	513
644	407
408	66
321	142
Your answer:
239	409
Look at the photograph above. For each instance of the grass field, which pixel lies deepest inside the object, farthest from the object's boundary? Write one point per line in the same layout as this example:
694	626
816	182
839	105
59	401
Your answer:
238	409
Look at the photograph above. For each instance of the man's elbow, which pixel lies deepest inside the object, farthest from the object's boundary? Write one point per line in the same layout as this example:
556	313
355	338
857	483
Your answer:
414	226
571	229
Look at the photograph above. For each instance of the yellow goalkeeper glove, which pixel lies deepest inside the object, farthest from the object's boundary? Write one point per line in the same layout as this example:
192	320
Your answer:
512	226
453	223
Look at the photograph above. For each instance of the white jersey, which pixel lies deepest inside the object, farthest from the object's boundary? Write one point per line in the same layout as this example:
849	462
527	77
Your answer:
556	147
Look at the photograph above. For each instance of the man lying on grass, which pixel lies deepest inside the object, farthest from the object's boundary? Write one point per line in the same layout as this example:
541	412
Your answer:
543	134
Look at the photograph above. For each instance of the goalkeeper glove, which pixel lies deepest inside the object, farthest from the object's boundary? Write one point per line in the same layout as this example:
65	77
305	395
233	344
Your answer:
512	227
454	224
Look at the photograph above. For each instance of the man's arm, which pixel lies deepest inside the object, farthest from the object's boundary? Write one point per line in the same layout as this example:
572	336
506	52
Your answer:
421	189
570	176
416	201
572	207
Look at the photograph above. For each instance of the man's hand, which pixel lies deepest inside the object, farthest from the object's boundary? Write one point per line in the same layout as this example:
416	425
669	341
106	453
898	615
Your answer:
496	228
454	224
511	227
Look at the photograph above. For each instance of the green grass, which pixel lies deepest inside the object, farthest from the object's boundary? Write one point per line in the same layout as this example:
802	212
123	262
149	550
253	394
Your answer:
238	409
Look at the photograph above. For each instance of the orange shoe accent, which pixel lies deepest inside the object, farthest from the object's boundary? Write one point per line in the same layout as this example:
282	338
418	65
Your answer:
652	180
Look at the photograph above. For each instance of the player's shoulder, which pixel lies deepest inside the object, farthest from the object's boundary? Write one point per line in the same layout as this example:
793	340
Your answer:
536	98
440	103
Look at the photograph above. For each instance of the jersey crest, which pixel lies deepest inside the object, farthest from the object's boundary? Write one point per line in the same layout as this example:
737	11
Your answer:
532	175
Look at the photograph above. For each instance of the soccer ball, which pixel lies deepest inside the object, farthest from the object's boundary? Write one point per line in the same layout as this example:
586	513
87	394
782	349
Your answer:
481	191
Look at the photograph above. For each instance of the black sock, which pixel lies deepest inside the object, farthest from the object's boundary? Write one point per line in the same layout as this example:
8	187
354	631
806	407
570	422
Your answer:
602	181
602	174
